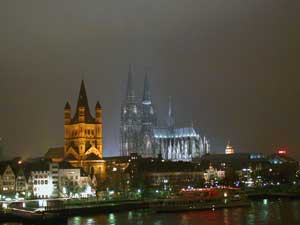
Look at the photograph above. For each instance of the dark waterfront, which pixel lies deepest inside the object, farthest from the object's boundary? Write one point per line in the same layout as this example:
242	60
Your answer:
277	212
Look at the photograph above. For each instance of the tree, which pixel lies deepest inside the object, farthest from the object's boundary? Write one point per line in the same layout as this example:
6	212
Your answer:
230	177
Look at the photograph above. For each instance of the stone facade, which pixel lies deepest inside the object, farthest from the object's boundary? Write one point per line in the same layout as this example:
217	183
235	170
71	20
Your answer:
83	136
140	133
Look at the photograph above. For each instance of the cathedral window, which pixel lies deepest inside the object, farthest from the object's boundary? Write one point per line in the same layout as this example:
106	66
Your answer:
151	110
92	170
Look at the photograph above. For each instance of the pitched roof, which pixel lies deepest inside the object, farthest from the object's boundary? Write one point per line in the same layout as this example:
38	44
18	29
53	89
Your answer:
176	133
71	157
55	153
66	165
3	166
36	165
92	156
83	102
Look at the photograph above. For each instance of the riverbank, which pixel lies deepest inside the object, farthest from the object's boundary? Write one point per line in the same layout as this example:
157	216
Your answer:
260	212
51	215
204	206
259	195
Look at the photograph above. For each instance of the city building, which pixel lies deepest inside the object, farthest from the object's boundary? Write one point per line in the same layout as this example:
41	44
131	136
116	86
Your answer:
236	161
74	182
212	175
42	184
83	135
44	181
117	183
7	178
82	138
141	134
156	176
21	182
229	149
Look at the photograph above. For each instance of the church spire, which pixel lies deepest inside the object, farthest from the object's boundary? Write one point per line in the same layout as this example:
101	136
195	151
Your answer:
171	119
129	91
82	109
82	98
147	95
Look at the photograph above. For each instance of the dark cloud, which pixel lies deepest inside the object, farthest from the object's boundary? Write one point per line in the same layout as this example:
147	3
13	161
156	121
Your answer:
232	67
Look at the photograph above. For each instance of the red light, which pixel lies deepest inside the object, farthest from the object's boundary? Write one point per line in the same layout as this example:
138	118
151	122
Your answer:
281	151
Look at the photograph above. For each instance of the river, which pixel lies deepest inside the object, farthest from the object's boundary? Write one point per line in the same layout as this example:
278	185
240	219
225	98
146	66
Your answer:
261	212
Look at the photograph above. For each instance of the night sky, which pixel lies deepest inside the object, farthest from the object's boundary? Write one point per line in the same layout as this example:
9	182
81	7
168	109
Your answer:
231	66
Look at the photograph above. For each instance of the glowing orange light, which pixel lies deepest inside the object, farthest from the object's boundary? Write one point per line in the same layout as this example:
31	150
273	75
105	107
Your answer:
282	151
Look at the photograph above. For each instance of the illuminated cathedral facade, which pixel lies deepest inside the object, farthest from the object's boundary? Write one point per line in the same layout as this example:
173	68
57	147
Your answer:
140	133
83	135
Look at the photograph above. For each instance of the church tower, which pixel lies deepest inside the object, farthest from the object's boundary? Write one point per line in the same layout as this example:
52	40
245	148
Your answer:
149	122
130	120
83	132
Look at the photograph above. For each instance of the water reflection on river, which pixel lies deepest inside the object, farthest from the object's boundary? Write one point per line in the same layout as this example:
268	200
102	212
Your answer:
262	212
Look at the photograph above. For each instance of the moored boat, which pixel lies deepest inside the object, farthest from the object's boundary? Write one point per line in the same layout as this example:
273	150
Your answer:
203	199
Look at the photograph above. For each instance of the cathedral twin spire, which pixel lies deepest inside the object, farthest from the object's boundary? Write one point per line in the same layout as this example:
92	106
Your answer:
146	99
138	119
147	94
130	94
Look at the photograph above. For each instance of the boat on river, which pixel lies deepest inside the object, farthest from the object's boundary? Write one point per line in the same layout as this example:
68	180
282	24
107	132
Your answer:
203	199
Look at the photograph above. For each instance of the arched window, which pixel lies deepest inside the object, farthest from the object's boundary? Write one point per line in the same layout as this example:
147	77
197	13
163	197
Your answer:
92	170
